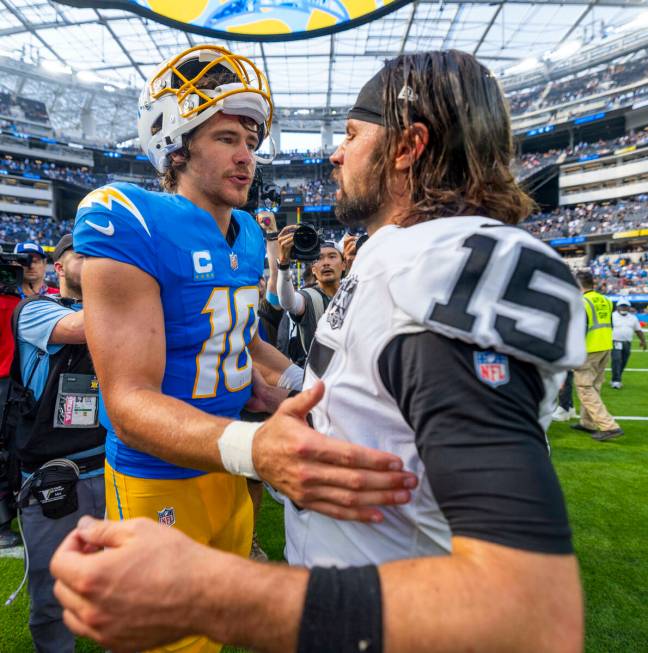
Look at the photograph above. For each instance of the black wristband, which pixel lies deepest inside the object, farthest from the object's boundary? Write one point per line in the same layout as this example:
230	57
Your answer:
342	611
272	235
283	266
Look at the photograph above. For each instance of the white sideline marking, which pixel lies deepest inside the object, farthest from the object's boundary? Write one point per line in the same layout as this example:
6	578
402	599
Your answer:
632	418
630	369
13	552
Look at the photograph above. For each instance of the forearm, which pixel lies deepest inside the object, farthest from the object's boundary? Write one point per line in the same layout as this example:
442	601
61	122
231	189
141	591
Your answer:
469	602
69	330
272	250
263	606
269	360
642	338
165	427
290	300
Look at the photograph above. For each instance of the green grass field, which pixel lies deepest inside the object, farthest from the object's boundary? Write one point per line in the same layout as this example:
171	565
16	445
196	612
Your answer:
605	485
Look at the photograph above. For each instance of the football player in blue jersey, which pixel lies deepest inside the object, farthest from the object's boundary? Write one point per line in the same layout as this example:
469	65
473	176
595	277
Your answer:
171	303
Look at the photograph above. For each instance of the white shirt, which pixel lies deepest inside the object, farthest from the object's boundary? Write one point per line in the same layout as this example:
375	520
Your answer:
624	326
397	278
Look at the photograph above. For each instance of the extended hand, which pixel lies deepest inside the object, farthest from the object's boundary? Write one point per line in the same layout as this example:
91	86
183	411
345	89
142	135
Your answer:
338	479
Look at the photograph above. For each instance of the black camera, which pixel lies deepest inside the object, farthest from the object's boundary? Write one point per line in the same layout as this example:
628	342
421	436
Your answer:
11	275
306	244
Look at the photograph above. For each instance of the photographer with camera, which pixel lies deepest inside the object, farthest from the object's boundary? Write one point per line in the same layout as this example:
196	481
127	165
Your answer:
54	404
34	267
307	305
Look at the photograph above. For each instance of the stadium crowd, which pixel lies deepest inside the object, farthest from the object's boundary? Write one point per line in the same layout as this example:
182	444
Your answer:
569	90
620	274
589	219
38	229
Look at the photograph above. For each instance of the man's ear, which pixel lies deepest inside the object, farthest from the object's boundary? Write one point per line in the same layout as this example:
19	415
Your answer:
58	268
178	156
413	142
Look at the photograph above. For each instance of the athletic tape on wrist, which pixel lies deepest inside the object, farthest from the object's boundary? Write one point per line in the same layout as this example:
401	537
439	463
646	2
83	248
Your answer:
292	378
235	446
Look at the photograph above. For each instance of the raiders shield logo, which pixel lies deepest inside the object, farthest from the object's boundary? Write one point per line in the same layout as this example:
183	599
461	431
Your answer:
340	303
166	517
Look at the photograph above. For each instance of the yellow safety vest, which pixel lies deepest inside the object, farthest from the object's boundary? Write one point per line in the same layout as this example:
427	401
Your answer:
599	322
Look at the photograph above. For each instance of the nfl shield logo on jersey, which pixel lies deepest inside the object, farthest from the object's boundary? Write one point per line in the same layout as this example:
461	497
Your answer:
233	261
166	517
492	368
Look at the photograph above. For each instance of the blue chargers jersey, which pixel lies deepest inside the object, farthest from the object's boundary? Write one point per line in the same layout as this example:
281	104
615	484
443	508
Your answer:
209	294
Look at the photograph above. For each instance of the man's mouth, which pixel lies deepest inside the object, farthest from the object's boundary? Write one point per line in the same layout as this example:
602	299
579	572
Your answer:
240	180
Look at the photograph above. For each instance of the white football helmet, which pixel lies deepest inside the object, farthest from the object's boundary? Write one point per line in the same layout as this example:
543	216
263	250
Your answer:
172	102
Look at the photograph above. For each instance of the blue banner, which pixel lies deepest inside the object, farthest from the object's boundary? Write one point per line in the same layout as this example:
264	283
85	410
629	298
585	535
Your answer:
590	118
557	242
318	208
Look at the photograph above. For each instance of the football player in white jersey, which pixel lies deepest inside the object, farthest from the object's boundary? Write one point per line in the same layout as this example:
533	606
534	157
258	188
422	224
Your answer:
445	345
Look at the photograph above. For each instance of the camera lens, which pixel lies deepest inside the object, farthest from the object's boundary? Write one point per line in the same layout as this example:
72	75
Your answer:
306	244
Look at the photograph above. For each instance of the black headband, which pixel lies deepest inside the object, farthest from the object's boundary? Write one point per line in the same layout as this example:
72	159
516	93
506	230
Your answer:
369	105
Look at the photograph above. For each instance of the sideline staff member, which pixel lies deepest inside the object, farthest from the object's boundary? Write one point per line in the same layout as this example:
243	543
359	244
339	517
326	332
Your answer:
624	325
595	418
55	364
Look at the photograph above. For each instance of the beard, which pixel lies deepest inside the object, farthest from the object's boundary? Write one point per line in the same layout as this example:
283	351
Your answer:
73	287
359	210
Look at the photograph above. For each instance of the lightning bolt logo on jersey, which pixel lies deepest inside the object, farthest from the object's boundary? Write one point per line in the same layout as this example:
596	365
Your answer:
209	298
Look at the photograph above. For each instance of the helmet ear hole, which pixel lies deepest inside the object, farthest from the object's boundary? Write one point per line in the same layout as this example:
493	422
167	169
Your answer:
157	125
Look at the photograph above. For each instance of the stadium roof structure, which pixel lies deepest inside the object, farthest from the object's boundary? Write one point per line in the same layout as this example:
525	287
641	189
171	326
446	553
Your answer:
87	65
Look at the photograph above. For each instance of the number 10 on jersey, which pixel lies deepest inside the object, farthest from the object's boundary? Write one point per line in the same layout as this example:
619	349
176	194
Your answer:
220	353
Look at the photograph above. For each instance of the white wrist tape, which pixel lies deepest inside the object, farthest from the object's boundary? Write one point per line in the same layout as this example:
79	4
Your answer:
292	378
235	446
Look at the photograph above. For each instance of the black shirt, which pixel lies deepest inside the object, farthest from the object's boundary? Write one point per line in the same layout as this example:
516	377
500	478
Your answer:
485	453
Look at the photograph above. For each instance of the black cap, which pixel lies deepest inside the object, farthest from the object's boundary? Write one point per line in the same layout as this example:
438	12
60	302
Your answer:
63	245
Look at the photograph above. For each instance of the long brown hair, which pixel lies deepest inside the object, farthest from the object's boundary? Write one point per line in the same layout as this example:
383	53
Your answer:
464	169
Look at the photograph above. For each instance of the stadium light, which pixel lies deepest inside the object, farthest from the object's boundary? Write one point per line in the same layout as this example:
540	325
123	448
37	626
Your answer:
56	67
564	51
525	65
